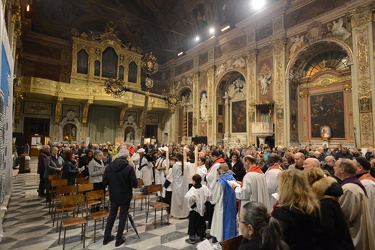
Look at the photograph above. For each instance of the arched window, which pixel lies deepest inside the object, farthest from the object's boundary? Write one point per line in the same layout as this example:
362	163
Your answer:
110	62
97	68
132	76
82	62
336	60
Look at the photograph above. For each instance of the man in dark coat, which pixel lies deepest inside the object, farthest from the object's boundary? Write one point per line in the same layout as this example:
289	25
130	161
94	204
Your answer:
120	178
41	168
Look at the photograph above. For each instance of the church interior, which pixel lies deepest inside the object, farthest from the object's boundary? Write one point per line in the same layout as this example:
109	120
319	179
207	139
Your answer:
219	72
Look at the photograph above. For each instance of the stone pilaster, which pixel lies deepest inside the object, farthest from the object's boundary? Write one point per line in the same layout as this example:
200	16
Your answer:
363	74
196	103
279	90
211	101
251	92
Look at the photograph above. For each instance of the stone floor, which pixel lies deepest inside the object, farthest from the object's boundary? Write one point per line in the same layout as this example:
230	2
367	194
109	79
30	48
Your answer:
27	225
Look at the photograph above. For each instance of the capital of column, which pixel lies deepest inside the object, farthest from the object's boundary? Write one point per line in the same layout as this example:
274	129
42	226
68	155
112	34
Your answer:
361	16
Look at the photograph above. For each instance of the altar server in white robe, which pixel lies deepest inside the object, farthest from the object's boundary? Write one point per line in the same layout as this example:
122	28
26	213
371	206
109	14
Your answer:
160	167
254	185
180	184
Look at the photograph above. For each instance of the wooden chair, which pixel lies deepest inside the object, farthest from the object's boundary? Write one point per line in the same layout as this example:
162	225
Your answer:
51	190
156	205
62	191
54	185
139	196
67	202
82	188
232	243
95	196
82	180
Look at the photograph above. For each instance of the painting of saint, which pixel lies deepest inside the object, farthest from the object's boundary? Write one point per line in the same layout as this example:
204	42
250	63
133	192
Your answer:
239	117
327	110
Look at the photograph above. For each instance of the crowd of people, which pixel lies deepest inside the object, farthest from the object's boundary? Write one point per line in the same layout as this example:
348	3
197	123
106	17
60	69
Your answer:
280	198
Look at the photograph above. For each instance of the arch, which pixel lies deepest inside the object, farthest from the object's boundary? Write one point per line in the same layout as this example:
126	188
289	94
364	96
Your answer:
296	75
307	51
231	123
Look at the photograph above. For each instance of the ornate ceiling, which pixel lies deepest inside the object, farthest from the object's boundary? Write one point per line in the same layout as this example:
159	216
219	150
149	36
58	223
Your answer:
162	26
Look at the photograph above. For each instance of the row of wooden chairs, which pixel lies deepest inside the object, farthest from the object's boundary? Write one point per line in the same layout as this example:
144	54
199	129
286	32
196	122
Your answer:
73	199
157	206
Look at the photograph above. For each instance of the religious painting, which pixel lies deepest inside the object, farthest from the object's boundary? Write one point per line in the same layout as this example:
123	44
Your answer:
365	105
325	132
37	108
69	132
327	110
239	117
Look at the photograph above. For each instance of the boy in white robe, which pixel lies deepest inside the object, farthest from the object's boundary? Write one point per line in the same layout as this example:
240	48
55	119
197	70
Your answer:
197	197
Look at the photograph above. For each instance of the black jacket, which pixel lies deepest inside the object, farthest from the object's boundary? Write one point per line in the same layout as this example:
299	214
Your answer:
238	170
69	171
299	229
332	231
120	178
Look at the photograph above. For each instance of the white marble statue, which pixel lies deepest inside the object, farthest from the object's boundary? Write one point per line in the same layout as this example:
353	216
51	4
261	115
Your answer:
265	81
338	29
204	107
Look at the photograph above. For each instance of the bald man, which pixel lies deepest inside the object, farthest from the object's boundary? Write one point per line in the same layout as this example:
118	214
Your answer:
311	163
299	158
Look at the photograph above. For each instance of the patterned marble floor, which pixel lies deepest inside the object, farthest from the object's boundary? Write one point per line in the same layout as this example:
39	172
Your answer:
27	225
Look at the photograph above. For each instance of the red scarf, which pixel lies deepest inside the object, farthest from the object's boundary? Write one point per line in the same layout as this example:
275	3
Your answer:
275	166
255	169
219	160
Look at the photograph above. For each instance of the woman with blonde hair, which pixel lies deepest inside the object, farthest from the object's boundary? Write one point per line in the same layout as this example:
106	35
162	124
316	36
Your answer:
297	210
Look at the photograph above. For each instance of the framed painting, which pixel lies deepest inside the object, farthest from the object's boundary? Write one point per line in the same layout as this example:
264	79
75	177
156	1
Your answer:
37	108
365	105
239	117
327	110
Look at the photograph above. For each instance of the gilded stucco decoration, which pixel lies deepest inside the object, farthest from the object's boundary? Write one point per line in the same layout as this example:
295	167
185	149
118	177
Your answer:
16	19
86	111
279	65
297	42
361	16
315	31
363	54
251	89
59	100
326	80
122	115
366	128
210	97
